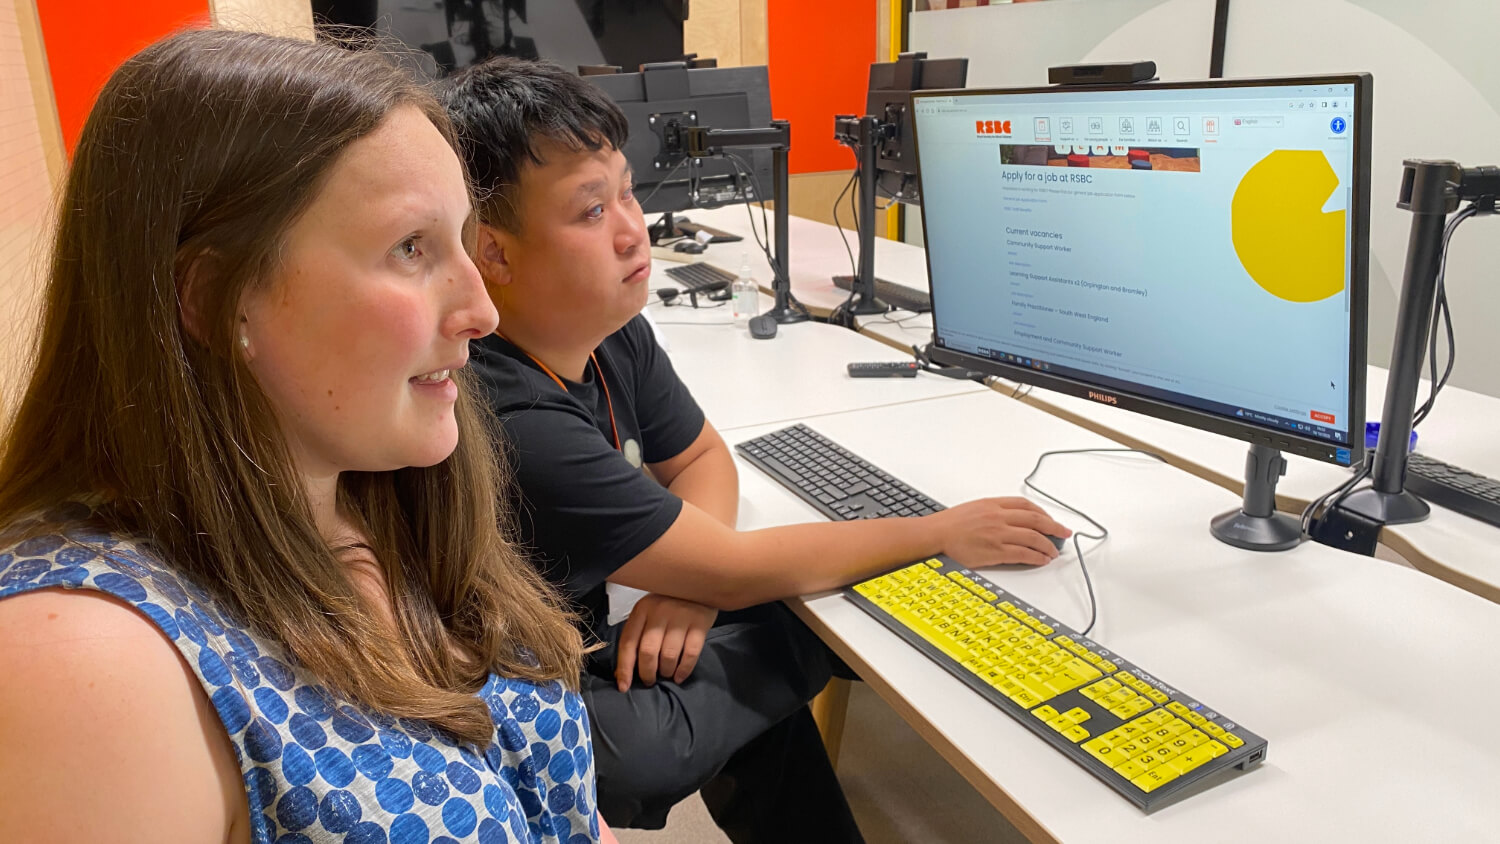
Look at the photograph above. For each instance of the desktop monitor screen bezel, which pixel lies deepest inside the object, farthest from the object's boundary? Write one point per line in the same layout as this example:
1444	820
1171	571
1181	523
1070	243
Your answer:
1288	441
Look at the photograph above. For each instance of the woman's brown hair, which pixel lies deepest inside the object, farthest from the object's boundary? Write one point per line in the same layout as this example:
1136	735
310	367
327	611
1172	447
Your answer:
198	156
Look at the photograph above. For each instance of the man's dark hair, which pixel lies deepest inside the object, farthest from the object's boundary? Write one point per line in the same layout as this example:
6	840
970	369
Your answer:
506	108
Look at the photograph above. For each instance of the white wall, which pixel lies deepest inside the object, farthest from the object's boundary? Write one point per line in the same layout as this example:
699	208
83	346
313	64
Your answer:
1013	45
1437	95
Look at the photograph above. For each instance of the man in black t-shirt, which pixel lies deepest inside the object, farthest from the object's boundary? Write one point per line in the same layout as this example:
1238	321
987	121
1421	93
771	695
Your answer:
622	480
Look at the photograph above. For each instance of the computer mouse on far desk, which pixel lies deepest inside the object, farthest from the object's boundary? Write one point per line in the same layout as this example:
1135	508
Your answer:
763	327
691	247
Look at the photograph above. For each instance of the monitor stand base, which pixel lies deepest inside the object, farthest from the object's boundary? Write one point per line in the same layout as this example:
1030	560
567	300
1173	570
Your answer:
1256	525
1386	508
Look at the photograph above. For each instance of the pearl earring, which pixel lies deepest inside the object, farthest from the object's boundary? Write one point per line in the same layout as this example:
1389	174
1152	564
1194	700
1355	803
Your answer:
244	340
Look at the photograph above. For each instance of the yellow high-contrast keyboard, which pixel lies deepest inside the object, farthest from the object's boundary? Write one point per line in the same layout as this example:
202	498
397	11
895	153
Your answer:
1145	739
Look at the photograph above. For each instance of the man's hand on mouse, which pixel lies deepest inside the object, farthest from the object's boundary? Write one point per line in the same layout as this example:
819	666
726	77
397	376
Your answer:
992	531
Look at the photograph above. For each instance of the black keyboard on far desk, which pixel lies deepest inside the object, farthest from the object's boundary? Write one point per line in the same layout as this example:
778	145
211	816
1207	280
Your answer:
830	478
1149	741
1459	490
699	277
898	296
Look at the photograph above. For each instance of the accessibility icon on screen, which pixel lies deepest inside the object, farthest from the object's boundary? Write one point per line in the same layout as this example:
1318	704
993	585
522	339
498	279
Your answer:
1338	126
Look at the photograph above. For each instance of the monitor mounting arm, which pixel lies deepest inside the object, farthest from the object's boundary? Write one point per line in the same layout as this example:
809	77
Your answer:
863	135
704	142
1431	190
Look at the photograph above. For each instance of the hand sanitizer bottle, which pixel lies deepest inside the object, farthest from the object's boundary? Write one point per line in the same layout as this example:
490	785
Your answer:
744	293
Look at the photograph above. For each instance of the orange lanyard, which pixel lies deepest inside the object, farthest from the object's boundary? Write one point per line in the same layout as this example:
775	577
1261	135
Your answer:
598	370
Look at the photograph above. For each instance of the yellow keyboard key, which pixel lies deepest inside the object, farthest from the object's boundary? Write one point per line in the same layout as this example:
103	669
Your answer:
1158	717
1046	713
1148	760
1026	699
1104	753
1232	740
1106	666
1075	733
1060	723
1196	719
1214	730
937	564
1078	714
1130	769
1163	752
1157	695
1178	708
1154	778
1194	758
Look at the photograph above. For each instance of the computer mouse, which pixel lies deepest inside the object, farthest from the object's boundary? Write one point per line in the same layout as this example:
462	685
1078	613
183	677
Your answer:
1057	541
691	247
763	327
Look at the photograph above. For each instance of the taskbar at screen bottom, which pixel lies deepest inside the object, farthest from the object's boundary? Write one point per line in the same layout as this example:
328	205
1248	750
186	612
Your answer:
1275	422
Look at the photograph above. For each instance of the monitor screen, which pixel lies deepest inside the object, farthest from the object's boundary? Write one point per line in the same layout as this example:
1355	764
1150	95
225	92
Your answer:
1196	251
455	34
660	101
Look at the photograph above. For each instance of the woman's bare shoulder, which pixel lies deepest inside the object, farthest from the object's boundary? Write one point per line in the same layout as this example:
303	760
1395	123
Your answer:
105	731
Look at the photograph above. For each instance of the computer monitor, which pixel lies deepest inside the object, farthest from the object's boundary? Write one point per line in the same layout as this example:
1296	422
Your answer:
660	102
1195	251
891	86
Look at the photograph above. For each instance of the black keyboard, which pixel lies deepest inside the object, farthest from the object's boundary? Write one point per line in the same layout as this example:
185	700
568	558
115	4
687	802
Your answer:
699	277
1149	741
832	479
898	296
1459	490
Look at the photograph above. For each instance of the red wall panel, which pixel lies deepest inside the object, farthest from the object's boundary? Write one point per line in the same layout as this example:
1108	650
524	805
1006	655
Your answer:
87	39
820	55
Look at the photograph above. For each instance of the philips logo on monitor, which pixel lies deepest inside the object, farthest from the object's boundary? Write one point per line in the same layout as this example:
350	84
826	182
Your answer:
996	128
1105	398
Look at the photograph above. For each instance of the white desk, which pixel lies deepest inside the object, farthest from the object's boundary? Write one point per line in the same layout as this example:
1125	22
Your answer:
1456	548
799	373
1449	545
1354	669
817	255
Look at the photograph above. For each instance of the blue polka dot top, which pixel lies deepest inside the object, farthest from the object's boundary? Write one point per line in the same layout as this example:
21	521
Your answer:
321	769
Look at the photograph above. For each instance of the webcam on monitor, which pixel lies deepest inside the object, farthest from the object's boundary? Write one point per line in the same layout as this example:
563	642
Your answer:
1108	73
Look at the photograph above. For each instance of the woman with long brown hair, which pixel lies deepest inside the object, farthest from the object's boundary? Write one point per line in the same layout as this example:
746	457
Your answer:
257	587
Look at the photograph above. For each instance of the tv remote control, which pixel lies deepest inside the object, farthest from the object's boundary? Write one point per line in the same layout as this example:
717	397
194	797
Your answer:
883	369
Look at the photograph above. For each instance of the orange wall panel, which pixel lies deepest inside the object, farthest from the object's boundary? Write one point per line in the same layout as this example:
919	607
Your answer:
87	39
820	55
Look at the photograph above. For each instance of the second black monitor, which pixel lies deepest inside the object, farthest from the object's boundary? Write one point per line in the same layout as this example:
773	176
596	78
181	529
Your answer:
660	102
891	85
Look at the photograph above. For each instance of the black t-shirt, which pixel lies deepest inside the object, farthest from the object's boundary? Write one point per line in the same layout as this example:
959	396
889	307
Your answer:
585	508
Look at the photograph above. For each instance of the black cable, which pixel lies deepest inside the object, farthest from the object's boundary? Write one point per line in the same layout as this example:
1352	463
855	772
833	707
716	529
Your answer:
743	167
662	183
1330	500
843	235
1440	309
1078	535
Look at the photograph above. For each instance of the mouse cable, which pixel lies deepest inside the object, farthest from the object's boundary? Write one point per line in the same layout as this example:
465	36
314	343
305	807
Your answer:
1103	532
743	167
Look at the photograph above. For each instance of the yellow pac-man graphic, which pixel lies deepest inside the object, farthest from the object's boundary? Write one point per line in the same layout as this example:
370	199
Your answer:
1286	242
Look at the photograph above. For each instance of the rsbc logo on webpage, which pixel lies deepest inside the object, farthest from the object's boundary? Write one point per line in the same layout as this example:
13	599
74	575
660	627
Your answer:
997	128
